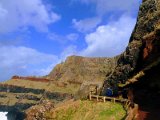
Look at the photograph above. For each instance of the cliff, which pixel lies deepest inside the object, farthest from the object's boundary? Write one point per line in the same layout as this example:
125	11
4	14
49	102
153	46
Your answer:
79	69
142	52
138	68
63	82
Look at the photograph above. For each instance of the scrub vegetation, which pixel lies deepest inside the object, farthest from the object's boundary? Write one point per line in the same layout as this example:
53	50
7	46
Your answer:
87	110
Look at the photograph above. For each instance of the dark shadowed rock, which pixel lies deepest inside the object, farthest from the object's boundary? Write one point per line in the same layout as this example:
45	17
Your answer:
143	49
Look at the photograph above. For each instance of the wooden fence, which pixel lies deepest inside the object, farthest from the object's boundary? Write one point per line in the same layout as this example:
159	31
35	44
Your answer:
132	111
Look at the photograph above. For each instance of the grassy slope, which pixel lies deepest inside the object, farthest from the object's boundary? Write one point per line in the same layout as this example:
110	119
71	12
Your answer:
87	110
70	88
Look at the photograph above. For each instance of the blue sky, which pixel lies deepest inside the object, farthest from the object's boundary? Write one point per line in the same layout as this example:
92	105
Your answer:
37	34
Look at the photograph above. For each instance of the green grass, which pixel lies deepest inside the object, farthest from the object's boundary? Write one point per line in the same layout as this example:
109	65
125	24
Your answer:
52	87
88	110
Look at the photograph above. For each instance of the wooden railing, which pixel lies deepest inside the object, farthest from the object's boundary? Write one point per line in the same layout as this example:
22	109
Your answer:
132	111
105	98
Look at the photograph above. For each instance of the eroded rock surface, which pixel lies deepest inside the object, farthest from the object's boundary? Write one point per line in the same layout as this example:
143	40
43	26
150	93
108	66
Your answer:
79	69
143	49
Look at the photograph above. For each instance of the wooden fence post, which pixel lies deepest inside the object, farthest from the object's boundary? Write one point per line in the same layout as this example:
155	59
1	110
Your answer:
114	100
90	96
104	99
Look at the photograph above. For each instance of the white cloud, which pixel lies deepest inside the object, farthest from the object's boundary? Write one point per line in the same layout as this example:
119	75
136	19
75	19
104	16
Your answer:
24	61
63	38
56	37
47	69
68	51
17	14
86	25
104	6
72	36
111	39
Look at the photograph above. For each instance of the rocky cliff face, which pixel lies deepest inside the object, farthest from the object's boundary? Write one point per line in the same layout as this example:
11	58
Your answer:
79	69
139	66
143	49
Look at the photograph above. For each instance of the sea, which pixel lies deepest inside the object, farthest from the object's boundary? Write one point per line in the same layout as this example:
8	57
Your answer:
3	116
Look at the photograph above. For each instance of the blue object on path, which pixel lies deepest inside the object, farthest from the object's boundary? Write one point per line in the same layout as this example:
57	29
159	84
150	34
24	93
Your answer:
109	92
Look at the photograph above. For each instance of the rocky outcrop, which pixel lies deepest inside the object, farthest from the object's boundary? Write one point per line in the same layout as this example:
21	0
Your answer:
83	71
139	66
38	112
77	69
143	49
